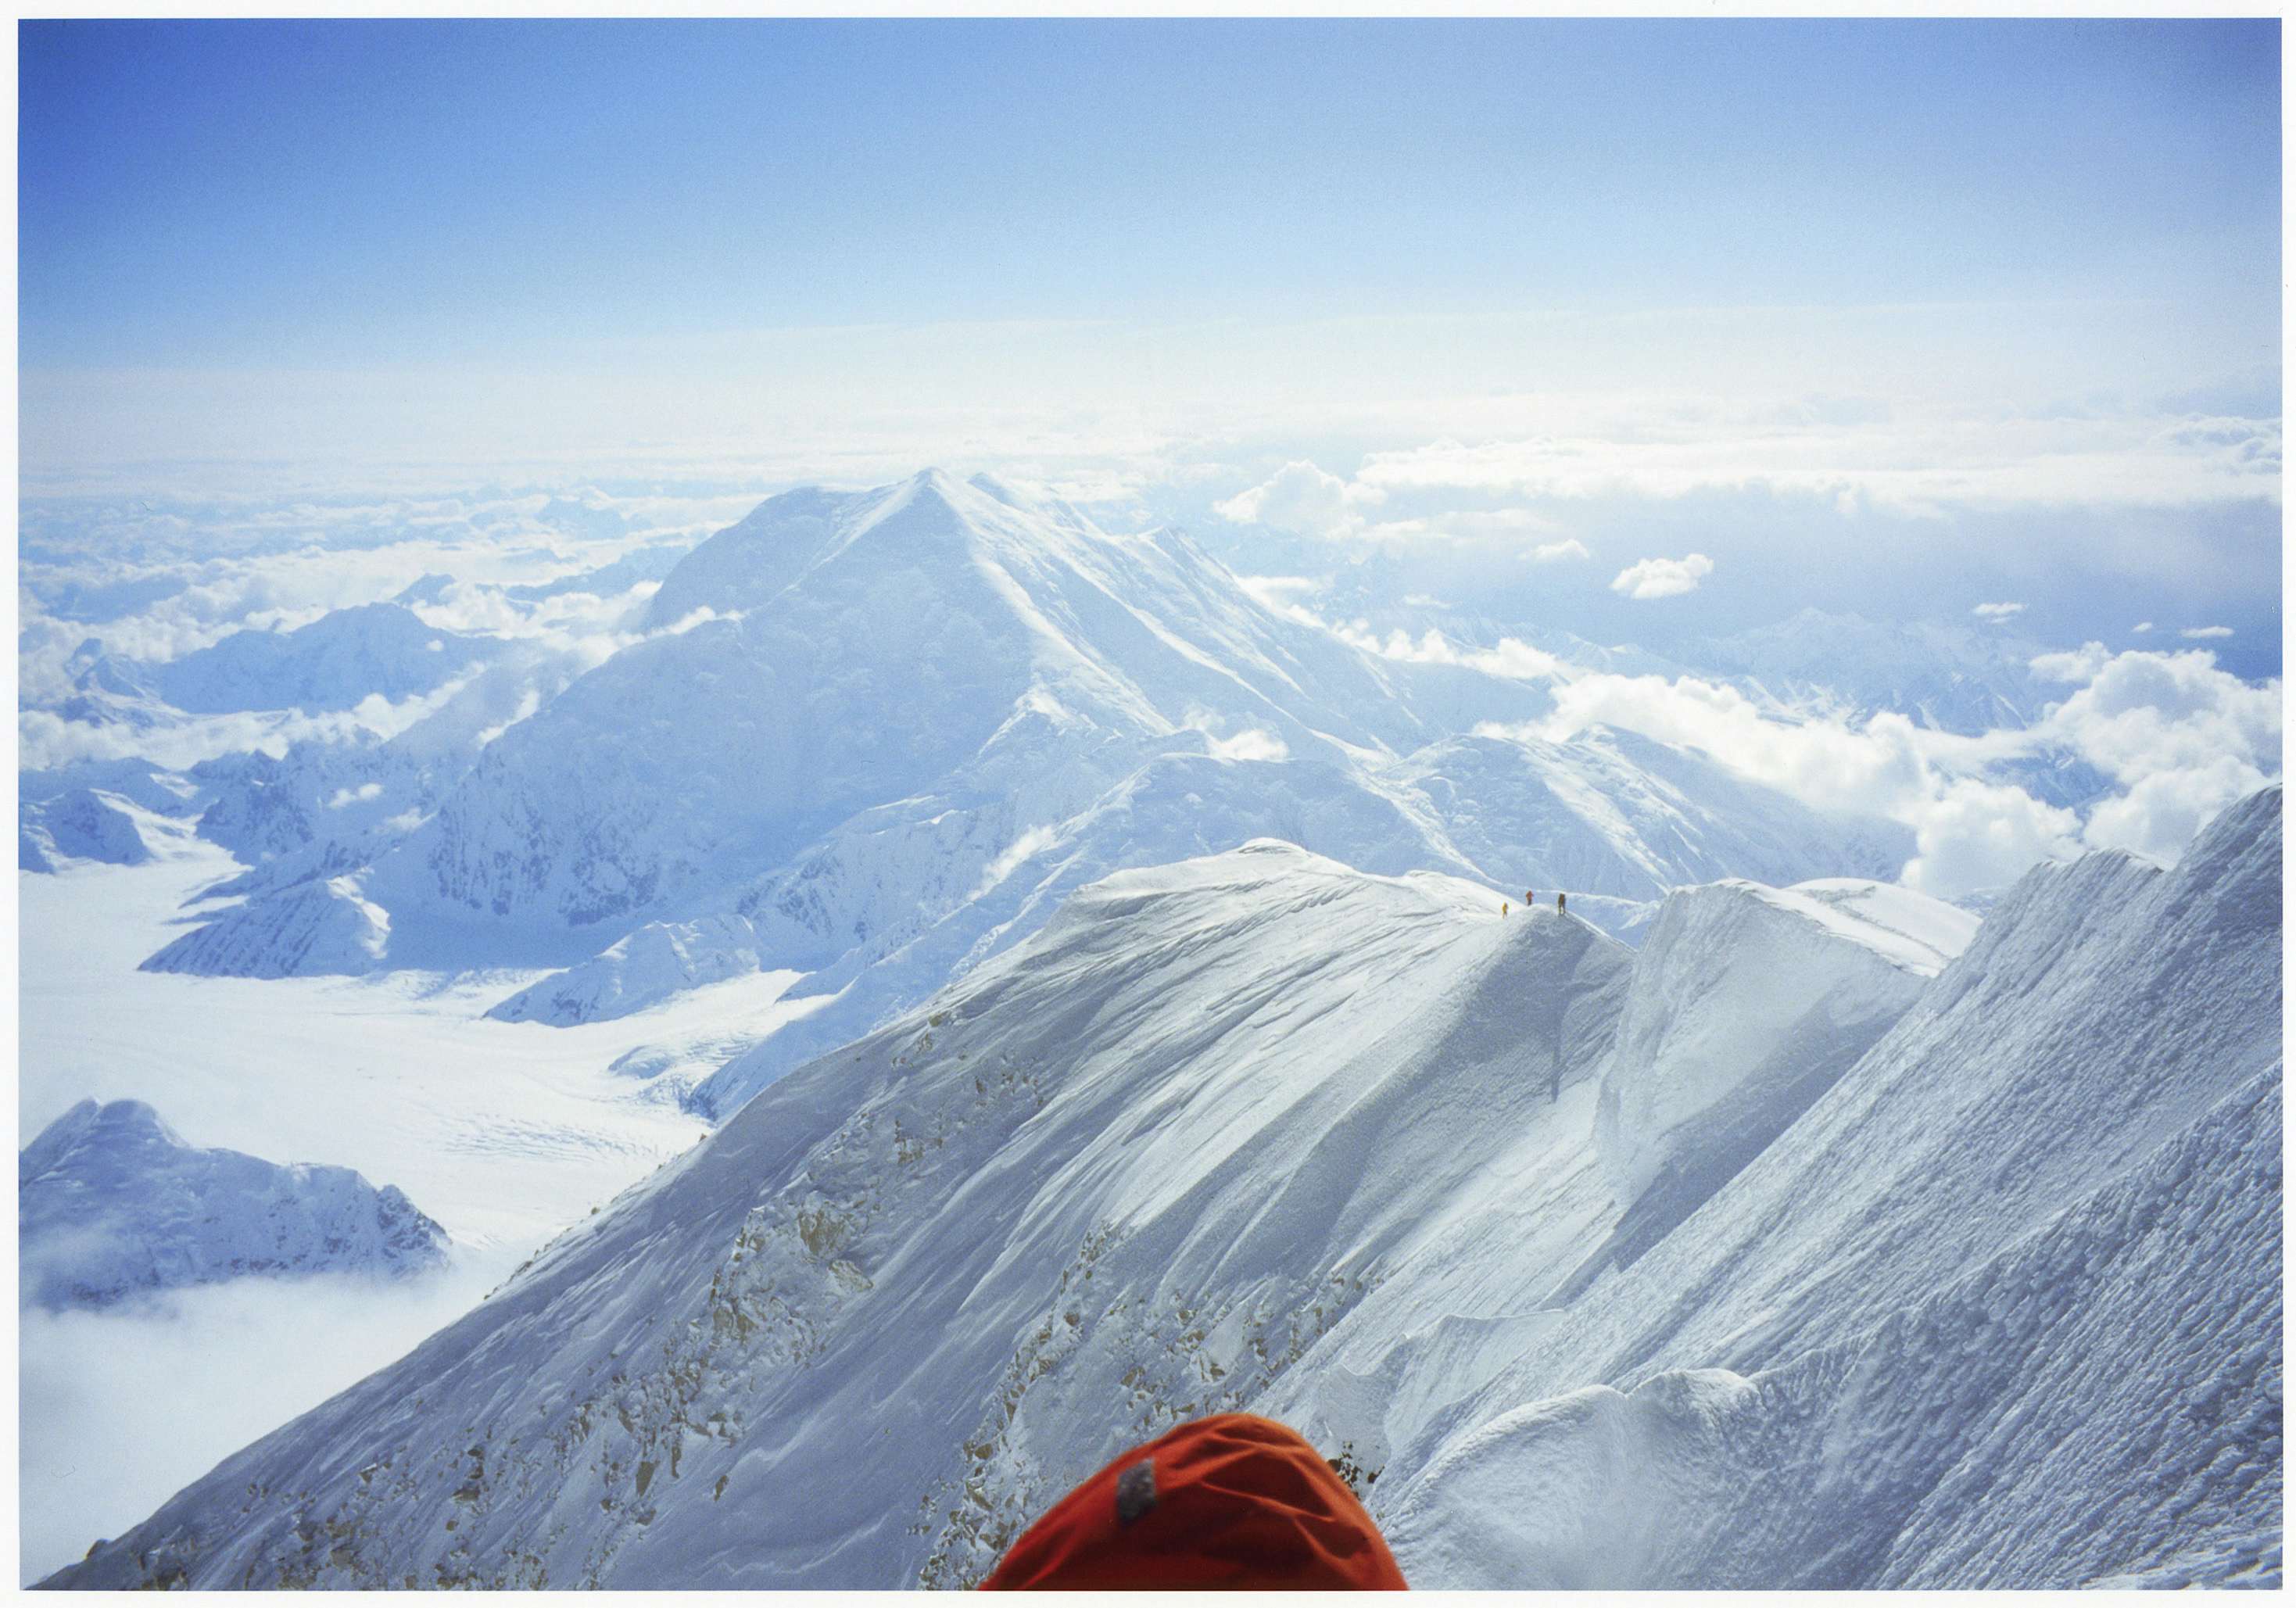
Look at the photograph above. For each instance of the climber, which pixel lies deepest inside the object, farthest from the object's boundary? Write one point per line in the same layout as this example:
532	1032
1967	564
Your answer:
1229	1503
1558	904
1531	898
1503	906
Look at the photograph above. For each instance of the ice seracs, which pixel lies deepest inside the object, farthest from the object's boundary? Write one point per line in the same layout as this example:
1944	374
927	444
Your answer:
111	1205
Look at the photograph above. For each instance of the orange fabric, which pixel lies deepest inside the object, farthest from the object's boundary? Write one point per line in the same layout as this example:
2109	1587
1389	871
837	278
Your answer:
1239	1504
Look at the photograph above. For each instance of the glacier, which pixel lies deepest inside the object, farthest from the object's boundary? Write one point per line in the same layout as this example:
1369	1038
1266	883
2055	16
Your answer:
1997	1302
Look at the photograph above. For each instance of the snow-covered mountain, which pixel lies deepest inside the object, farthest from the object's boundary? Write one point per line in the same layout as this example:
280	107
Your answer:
1997	1305
112	1204
83	824
879	736
334	663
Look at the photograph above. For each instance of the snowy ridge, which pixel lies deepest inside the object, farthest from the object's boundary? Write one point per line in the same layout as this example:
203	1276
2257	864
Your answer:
112	1204
2052	1359
1256	1130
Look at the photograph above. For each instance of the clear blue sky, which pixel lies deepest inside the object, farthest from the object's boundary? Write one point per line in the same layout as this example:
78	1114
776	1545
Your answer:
362	193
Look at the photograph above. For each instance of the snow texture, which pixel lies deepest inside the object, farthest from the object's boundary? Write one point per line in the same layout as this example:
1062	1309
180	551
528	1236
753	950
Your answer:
2000	1307
111	1205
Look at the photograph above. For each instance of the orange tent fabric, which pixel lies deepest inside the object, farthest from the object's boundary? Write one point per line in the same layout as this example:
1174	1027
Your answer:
1227	1503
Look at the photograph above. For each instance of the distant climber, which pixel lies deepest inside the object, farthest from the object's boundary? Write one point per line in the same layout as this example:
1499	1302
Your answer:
1229	1503
1531	898
1503	906
1558	904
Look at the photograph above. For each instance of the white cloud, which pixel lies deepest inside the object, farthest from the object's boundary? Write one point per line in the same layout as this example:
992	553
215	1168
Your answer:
1998	612
1663	576
2200	633
2078	665
1251	743
2142	626
1302	499
1031	843
344	797
1550	552
1512	658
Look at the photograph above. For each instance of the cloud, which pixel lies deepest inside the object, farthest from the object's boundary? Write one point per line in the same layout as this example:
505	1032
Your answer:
1512	658
1031	843
1252	743
1970	834
1663	576
1912	460
261	1350
1551	553
2080	665
1996	612
2141	626
1301	499
2199	633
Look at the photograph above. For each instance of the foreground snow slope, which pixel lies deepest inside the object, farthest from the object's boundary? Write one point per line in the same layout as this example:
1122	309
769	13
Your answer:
1256	1130
2003	1308
1131	1171
112	1204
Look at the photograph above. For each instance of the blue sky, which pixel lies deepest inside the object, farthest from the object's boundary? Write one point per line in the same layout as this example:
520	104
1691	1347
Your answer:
358	193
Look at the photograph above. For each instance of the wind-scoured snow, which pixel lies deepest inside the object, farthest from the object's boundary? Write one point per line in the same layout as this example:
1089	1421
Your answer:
2000	1307
111	1205
1749	1002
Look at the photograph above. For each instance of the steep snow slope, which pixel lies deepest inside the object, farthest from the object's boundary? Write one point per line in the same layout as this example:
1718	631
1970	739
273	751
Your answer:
332	663
1133	1170
2001	1307
112	1204
1748	1002
1807	987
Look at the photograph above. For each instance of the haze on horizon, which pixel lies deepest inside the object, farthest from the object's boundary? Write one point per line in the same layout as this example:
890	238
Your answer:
1905	317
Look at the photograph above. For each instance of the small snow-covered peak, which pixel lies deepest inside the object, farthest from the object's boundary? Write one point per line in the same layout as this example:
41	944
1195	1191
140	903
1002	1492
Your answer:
113	1204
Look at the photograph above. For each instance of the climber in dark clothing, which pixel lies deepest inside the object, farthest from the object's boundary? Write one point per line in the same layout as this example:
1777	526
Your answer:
1558	904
